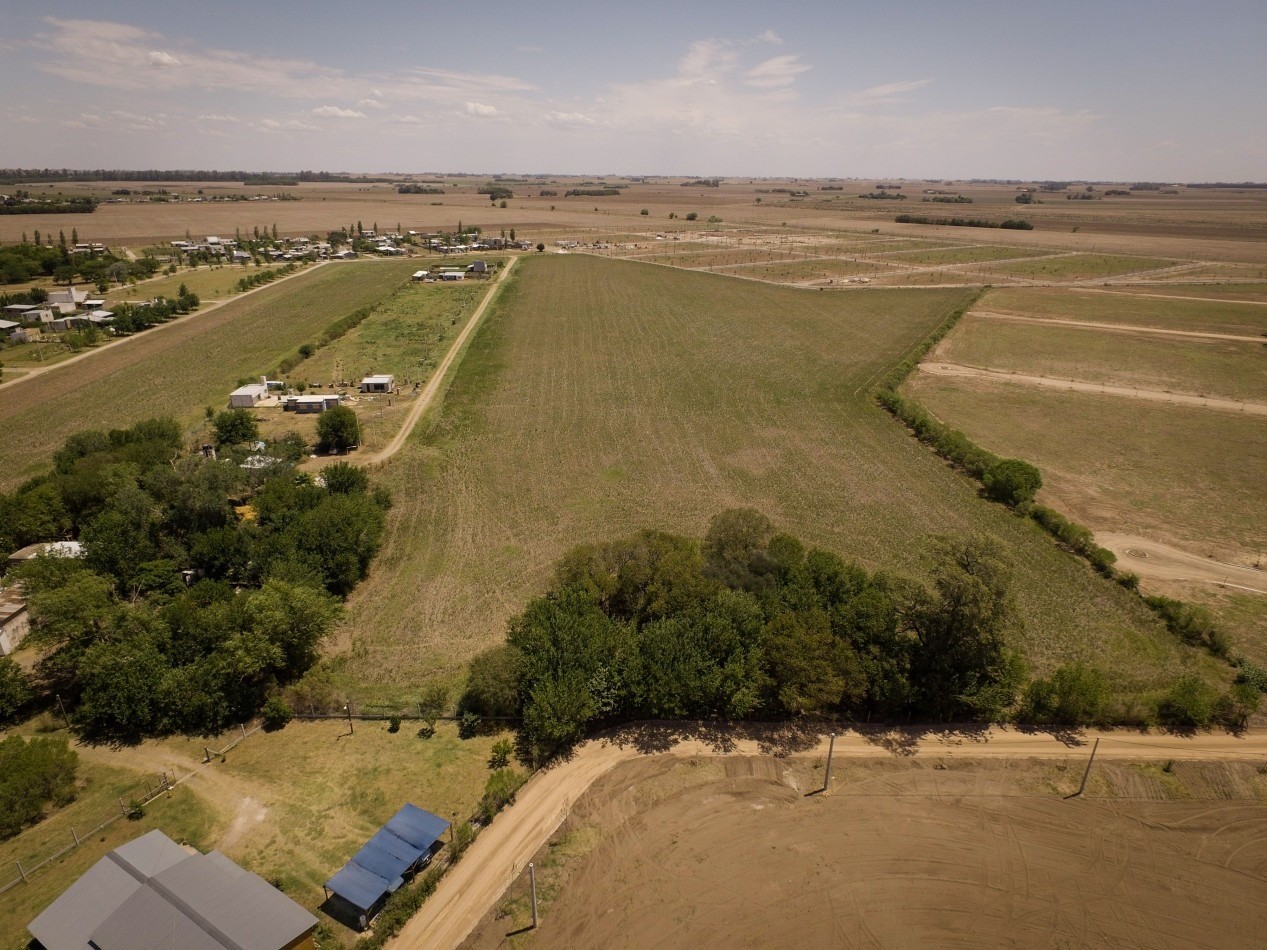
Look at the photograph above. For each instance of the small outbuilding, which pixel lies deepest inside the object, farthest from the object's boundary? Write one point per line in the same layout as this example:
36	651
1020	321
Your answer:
378	384
310	404
400	847
420	275
249	396
15	623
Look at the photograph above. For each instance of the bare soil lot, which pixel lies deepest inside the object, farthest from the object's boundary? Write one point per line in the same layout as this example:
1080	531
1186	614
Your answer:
669	853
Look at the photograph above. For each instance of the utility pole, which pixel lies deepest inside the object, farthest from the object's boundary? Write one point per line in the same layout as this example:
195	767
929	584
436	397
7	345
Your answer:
831	747
62	707
532	880
347	708
1087	773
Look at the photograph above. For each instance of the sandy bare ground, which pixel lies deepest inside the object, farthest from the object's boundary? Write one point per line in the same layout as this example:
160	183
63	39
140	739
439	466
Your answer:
193	318
500	853
428	394
1116	327
1151	559
1153	395
911	854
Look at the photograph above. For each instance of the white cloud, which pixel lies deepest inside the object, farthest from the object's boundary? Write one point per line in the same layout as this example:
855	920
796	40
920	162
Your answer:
481	110
769	36
888	92
371	104
776	73
216	117
574	119
159	58
334	112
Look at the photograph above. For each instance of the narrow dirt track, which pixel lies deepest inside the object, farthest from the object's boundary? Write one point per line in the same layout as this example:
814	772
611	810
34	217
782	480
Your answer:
1049	382
1152	559
428	394
1116	327
467	892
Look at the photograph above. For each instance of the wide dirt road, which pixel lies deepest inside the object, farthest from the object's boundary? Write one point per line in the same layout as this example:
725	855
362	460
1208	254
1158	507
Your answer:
467	892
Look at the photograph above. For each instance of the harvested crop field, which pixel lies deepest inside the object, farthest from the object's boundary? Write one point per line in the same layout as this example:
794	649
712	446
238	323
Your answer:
673	853
1178	474
1227	369
601	397
1182	311
177	369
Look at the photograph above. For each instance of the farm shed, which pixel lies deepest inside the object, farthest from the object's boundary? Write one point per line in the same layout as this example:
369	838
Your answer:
15	623
378	384
479	267
309	404
401	846
246	397
152	892
51	548
420	275
8	327
452	274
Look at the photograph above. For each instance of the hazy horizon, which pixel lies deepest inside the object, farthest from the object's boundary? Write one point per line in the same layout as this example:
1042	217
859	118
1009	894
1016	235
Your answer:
1127	91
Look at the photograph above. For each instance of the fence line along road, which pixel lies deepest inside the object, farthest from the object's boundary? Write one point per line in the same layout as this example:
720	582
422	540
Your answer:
166	782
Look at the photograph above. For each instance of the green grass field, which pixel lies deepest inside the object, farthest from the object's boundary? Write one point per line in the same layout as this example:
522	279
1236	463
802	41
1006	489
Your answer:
1228	369
792	271
1181	475
1137	309
209	283
605	396
1245	292
178	369
1081	267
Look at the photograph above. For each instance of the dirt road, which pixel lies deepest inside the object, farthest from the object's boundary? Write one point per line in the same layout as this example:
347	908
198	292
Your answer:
1050	382
428	394
1116	327
1151	559
469	890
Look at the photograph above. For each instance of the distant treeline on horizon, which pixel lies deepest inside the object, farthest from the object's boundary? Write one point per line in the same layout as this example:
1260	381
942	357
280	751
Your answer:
19	175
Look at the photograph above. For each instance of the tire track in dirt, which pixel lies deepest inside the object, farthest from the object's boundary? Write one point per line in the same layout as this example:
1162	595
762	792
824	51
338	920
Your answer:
1152	395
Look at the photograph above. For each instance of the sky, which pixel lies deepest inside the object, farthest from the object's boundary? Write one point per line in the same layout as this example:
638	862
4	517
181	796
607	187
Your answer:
1111	90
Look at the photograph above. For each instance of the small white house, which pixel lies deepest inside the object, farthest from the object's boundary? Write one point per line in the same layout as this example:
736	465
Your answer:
249	396
378	384
420	275
452	275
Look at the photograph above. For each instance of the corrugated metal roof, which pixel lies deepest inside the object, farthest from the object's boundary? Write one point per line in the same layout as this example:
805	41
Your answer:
70	920
376	869
152	894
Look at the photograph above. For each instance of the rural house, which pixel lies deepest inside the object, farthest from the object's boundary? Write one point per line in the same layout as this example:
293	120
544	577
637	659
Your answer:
249	396
378	384
15	623
152	892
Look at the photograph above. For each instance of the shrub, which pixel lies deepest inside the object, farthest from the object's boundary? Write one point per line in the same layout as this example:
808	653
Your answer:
337	429
1253	675
692	216
234	426
1189	704
393	724
501	753
1236	706
33	773
463	835
1075	695
277	713
1012	481
15	688
644	212
499	791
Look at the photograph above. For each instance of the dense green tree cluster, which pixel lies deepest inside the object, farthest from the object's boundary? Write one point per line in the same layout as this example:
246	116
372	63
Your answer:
34	773
750	623
203	584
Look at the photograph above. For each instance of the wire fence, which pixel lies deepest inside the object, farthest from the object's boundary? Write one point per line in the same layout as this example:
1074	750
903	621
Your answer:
130	804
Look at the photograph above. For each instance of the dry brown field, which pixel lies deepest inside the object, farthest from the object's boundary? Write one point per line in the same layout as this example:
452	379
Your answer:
671	853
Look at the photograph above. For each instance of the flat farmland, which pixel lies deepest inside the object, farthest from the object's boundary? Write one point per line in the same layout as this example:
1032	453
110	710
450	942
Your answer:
920	277
973	254
1082	267
1180	309
680	854
209	283
177	369
603	396
813	269
1248	293
719	258
1182	475
1227	369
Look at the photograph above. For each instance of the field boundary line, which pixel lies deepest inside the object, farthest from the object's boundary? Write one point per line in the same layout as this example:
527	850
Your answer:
429	392
1116	327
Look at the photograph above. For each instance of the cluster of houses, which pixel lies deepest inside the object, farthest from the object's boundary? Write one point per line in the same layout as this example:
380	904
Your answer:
285	249
260	395
65	309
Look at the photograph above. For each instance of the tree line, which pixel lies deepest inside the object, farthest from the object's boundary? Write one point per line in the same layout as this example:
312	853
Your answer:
203	585
752	623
